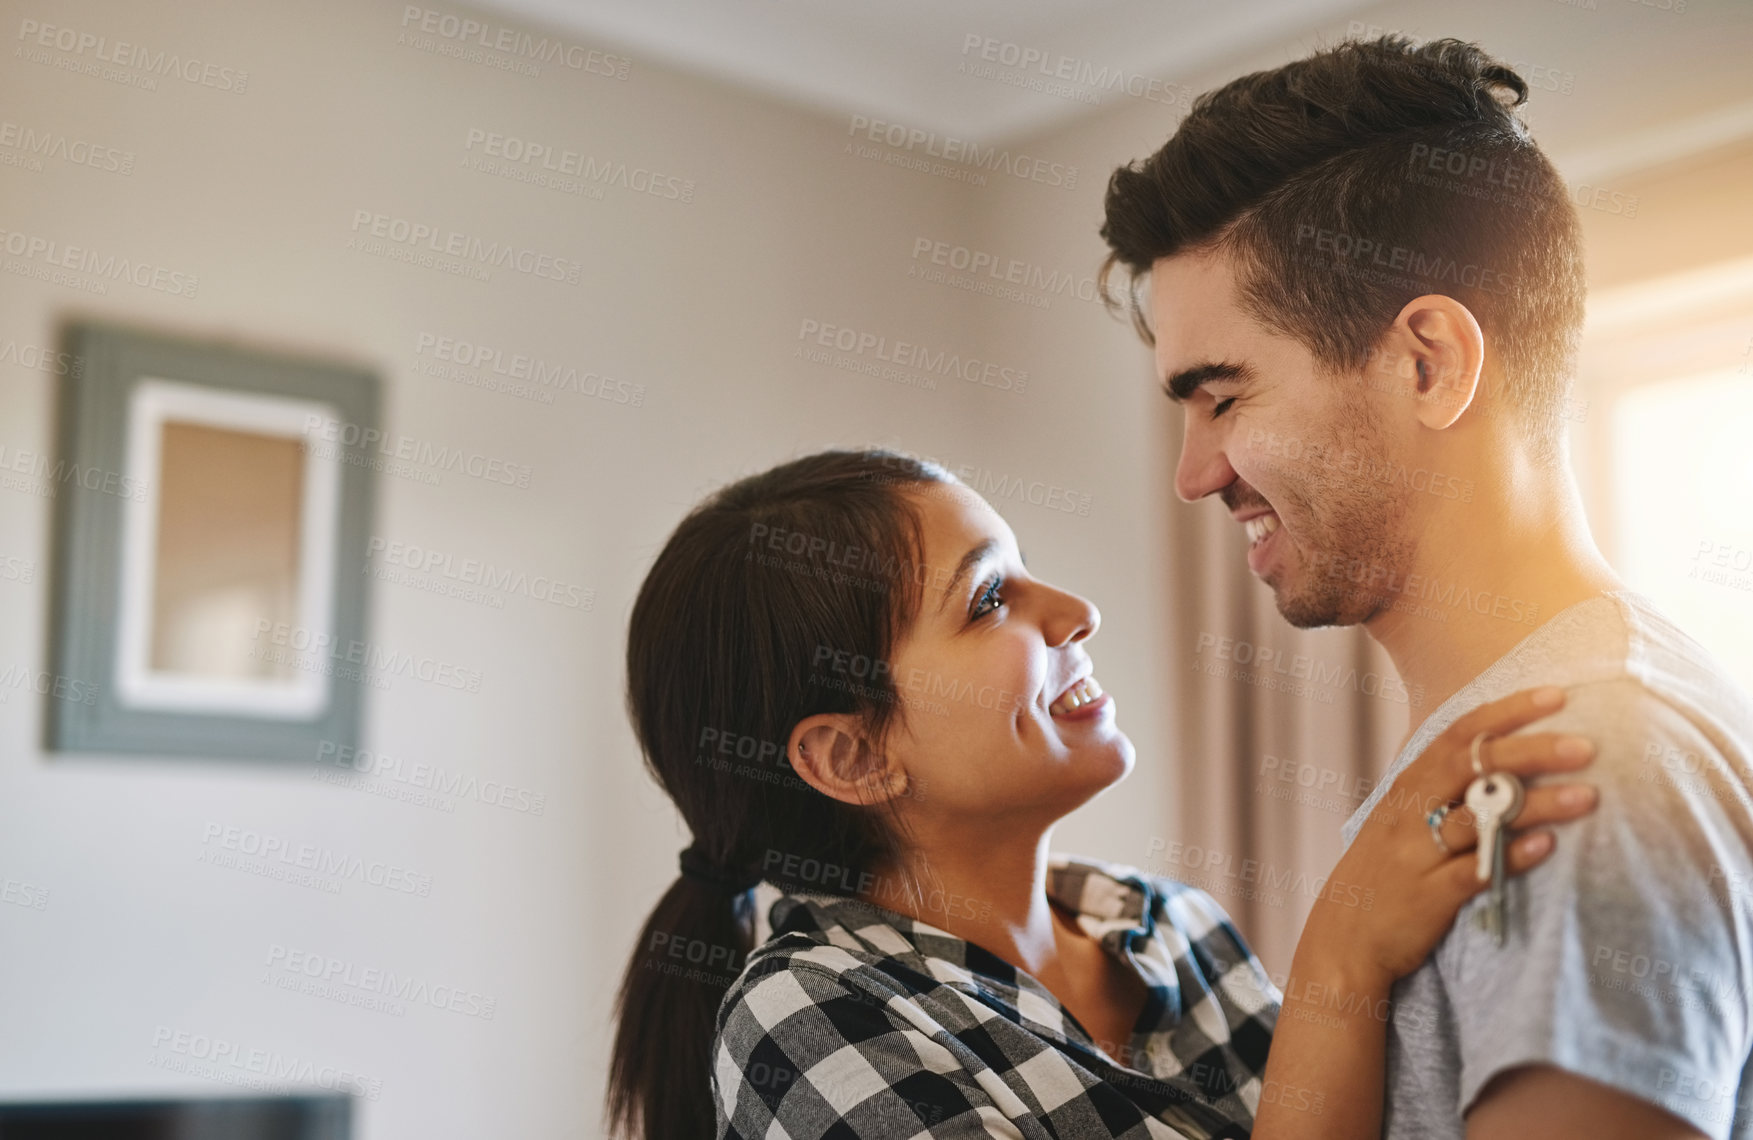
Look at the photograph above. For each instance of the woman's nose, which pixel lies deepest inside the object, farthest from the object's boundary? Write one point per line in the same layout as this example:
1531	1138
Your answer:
1072	618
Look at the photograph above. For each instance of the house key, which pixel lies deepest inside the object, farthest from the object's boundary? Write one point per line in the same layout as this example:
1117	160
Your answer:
1495	800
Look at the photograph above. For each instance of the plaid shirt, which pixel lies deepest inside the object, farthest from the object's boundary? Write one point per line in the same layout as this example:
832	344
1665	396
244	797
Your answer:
853	1021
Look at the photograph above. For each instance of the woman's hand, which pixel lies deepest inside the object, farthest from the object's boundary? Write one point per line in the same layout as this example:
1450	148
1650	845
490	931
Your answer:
1414	889
1330	1039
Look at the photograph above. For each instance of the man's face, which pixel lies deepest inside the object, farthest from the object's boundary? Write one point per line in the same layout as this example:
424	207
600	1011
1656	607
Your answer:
1302	458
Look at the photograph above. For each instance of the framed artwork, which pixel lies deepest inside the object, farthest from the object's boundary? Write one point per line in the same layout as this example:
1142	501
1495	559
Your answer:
212	533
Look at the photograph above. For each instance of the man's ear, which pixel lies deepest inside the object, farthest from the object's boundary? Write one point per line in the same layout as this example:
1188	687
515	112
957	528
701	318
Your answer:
830	753
1446	347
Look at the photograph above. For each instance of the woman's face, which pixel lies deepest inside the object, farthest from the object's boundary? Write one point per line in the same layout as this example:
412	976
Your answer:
981	674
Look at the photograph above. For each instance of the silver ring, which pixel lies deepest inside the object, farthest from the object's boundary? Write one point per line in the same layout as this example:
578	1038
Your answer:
1435	819
1478	763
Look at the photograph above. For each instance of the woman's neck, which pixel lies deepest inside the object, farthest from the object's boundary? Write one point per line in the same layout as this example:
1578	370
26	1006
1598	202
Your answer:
993	895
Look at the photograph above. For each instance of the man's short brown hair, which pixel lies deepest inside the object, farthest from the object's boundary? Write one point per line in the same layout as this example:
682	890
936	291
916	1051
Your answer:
1346	184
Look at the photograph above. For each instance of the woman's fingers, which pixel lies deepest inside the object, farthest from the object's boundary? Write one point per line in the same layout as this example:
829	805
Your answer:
1459	831
1503	716
1555	803
1527	755
1533	754
1526	851
1550	803
1446	767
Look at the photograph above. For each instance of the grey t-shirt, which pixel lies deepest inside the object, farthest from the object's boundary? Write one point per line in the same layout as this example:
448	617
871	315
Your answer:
1629	953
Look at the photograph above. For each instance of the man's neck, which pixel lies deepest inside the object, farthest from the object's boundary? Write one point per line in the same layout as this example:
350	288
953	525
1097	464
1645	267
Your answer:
1486	575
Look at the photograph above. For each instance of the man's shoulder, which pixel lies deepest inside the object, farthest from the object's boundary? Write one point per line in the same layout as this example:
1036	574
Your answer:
1647	729
1632	677
1612	634
1646	878
1674	666
1623	712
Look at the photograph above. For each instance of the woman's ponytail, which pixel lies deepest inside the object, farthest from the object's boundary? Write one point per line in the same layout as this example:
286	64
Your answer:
719	646
689	951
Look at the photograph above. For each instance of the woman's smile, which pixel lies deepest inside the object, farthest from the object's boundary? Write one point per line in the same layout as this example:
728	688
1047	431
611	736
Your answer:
1082	700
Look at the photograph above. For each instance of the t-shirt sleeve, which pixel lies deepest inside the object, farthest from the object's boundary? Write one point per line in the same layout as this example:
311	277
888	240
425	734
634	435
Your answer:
821	1056
1629	950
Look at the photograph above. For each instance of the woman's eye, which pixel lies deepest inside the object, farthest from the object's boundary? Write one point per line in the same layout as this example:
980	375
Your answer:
990	593
1222	407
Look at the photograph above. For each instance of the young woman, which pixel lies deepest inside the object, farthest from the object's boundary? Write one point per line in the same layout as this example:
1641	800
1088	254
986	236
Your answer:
843	674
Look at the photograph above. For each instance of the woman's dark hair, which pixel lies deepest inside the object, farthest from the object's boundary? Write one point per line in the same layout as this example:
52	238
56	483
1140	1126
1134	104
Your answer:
761	591
1349	182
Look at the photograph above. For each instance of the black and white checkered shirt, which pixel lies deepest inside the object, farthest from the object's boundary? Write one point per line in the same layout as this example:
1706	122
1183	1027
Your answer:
853	1021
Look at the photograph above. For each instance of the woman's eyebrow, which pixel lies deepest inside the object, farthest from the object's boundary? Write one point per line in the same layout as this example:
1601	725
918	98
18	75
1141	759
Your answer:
969	560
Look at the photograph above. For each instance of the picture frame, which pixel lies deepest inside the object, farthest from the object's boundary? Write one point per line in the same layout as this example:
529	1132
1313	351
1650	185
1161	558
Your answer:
212	527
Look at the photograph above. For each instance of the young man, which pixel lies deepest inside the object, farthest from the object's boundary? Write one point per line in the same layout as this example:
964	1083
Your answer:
1365	286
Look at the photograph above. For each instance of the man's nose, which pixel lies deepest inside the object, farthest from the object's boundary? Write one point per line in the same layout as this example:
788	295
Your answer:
1203	468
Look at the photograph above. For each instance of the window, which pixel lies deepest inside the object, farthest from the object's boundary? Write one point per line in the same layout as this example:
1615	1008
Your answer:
1682	501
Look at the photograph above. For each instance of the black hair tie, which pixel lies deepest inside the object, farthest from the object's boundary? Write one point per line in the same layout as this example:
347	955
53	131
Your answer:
730	880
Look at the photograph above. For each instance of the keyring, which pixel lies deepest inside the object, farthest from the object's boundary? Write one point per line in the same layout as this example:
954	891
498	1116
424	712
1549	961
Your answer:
1479	764
1435	818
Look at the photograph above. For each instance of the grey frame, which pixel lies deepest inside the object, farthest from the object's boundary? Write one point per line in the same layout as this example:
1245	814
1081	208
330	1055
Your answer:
87	555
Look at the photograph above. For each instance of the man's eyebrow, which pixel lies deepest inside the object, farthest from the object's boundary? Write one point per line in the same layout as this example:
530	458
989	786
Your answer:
968	562
1185	382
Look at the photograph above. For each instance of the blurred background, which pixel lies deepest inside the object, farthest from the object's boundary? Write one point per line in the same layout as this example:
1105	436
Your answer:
727	214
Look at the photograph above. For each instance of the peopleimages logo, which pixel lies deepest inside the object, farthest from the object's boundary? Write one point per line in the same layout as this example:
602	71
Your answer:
36	144
40	476
539	156
373	987
411	234
216	1058
1273	662
473	571
471	463
1009	270
432	777
41	358
304	648
518	374
1066	76
1364	251
121	53
1215	866
268	853
942	362
97	266
992	159
462	30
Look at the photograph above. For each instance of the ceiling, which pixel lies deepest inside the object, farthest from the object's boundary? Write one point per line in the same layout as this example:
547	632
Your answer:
907	61
1649	86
